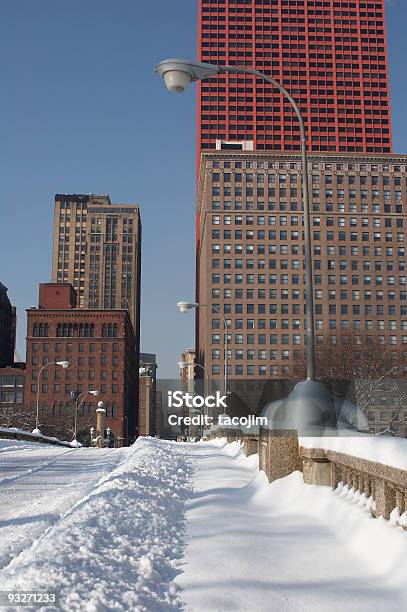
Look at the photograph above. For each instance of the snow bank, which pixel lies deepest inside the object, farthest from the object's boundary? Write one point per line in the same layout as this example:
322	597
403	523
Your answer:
377	542
284	546
382	449
120	547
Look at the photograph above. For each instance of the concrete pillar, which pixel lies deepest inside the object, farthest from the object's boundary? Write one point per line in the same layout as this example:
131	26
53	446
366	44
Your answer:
100	425
279	452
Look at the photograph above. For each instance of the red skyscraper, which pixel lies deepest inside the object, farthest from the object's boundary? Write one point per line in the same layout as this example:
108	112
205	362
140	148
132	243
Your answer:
330	54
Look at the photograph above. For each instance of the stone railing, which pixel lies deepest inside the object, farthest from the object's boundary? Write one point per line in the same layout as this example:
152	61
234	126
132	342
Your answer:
383	488
380	488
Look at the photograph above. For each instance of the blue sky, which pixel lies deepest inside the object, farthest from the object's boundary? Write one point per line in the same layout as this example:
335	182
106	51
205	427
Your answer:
82	111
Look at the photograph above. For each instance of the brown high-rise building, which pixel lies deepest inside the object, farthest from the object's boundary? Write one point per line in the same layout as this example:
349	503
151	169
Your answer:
97	248
252	256
101	348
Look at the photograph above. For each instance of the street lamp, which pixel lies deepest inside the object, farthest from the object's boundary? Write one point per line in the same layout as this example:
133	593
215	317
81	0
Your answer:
65	365
177	75
78	405
186	307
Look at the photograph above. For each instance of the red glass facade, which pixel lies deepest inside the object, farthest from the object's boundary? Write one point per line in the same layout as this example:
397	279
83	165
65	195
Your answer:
330	54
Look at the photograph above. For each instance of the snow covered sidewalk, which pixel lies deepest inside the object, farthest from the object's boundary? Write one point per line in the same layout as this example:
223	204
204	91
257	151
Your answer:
165	526
253	546
39	484
120	546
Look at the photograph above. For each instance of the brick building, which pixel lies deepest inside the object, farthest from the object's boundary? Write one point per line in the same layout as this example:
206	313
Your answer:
101	348
251	257
12	407
7	328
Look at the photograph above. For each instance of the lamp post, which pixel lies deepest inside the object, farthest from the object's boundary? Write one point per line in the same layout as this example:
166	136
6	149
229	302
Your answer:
186	307
79	404
177	75
65	365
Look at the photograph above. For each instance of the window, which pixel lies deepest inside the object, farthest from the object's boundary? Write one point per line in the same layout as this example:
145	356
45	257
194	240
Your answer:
110	330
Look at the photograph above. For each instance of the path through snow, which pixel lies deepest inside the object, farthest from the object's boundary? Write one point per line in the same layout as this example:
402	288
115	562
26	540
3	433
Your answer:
287	547
191	527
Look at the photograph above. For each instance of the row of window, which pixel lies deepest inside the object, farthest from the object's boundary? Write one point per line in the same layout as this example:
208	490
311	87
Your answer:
80	347
12	397
296	279
316	193
320	294
263	339
376	222
295	181
79	374
104	360
294	206
75	330
11	380
68	387
296	264
331	309
295	249
314	165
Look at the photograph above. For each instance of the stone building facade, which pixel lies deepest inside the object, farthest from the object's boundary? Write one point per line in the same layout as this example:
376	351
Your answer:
251	257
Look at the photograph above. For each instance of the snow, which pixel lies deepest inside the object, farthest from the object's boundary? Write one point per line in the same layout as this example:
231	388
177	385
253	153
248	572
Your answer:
388	450
167	526
38	484
119	546
35	434
285	546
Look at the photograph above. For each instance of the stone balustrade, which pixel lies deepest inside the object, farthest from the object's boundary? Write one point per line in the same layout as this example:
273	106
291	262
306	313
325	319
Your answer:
380	488
383	488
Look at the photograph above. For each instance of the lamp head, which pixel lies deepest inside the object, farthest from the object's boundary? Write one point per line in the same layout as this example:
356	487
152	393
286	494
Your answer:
101	405
95	392
179	73
186	306
64	364
183	364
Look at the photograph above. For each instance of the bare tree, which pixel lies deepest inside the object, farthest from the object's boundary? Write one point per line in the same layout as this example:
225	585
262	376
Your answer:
361	363
19	416
61	427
